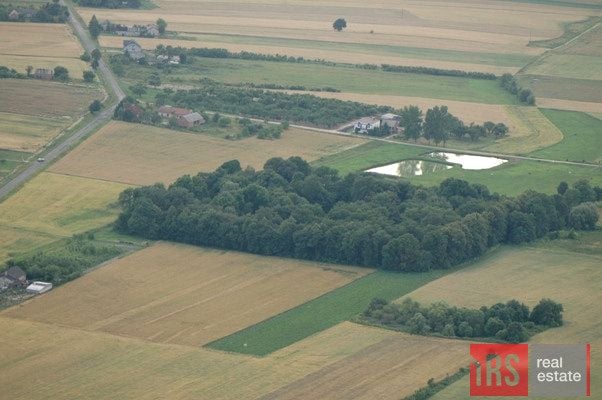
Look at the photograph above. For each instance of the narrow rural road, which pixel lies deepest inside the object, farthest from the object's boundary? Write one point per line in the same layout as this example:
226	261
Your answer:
100	119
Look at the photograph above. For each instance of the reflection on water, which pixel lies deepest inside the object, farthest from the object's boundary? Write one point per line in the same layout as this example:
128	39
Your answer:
468	161
410	168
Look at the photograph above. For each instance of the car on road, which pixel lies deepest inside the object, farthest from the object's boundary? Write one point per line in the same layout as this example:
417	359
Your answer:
41	159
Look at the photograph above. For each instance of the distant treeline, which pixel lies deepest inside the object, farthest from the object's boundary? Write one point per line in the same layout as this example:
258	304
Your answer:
248	55
438	71
509	83
270	86
510	322
262	104
109	3
47	13
6	72
294	210
65	261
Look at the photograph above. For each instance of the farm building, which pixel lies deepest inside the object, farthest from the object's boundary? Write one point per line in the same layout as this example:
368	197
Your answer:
391	120
366	124
173	112
133	50
15	275
39	287
13	15
191	120
45	74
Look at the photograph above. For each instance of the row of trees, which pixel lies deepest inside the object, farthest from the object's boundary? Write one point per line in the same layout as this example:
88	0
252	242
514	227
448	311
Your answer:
509	83
438	71
292	209
510	322
6	73
439	125
51	12
110	3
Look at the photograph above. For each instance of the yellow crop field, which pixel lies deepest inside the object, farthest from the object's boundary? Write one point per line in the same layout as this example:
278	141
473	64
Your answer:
185	295
28	133
140	154
46	99
41	46
61	205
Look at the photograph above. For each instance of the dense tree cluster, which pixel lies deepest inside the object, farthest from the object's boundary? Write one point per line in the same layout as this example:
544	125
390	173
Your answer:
62	263
262	104
438	71
6	72
110	3
51	12
510	322
292	209
439	125
509	82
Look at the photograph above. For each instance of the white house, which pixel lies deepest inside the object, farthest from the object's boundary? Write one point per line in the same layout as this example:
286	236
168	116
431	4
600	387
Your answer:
366	124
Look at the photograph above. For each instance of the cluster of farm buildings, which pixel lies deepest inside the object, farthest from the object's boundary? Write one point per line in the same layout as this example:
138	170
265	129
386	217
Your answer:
367	124
149	30
15	277
134	51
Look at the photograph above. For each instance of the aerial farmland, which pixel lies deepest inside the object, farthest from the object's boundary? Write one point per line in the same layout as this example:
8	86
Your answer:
301	199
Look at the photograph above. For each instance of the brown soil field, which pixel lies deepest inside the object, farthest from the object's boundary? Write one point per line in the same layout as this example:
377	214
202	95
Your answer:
46	99
141	154
185	295
329	55
41	46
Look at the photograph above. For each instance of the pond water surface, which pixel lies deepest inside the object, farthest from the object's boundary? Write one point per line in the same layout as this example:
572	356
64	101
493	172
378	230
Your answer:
468	161
409	168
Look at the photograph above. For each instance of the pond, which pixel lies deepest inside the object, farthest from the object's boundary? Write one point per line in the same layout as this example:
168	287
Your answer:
409	168
467	161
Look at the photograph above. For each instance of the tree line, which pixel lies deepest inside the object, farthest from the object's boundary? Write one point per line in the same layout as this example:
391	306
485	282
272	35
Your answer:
439	125
109	3
206	52
510	322
51	12
294	210
509	83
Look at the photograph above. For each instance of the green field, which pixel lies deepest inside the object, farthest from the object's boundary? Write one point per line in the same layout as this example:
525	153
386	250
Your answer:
582	137
9	160
563	88
343	78
322	313
510	179
497	59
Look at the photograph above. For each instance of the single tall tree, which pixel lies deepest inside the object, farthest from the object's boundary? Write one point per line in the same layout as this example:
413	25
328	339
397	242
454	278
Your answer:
29	69
94	27
438	124
339	24
162	26
411	120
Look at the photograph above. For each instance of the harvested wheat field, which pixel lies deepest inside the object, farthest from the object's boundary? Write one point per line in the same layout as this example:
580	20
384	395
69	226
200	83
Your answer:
121	367
393	368
61	205
46	99
41	46
142	155
313	54
29	133
185	295
474	26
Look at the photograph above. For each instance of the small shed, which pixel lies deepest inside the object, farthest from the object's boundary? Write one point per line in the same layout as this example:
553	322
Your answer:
38	287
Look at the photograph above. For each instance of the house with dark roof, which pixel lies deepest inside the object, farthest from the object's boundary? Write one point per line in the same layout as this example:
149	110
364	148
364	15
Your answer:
14	276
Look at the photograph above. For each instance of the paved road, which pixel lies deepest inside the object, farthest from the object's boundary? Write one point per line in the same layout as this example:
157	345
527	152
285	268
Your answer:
61	148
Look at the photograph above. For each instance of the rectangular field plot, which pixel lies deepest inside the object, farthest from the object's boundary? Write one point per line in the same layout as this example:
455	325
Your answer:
61	205
28	133
41	46
141	154
185	295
